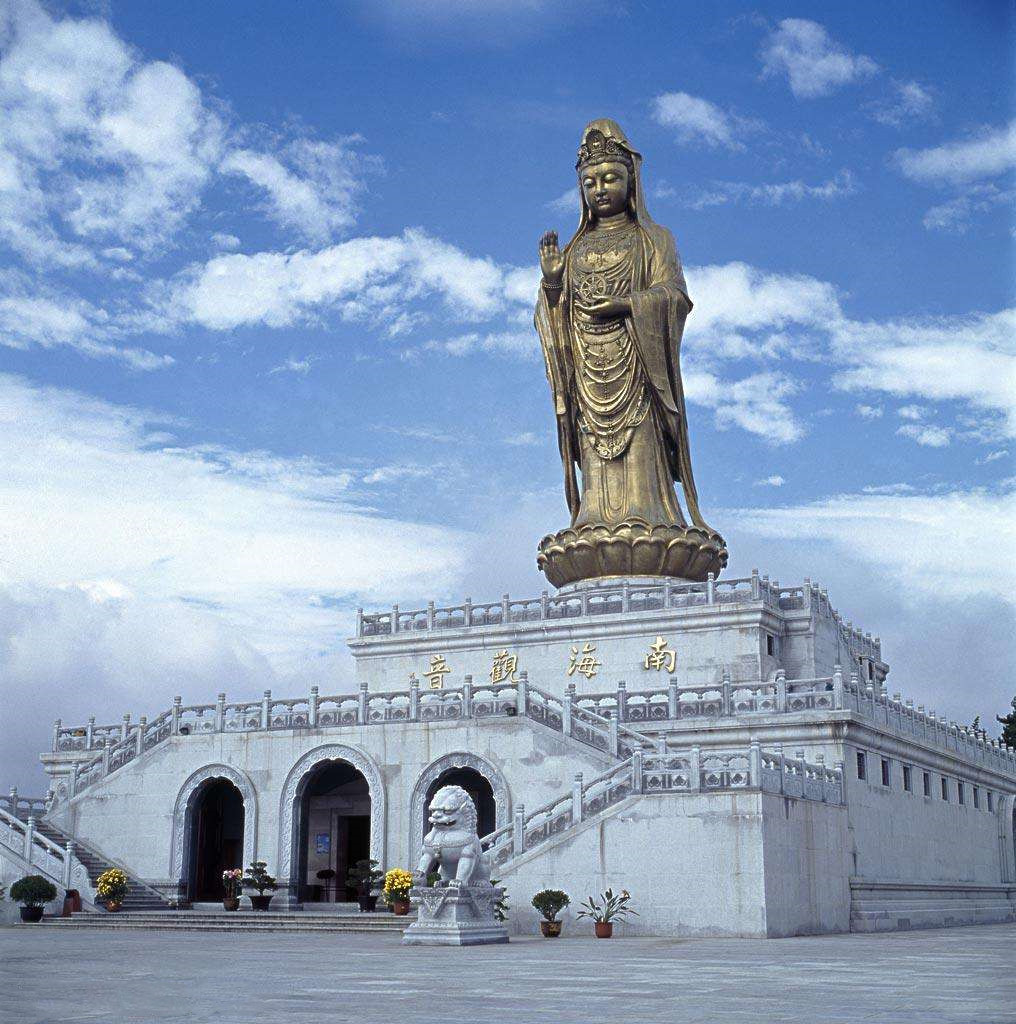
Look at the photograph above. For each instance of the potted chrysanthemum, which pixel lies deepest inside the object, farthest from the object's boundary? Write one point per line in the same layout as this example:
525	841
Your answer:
257	877
231	881
606	910
396	890
33	892
550	903
110	888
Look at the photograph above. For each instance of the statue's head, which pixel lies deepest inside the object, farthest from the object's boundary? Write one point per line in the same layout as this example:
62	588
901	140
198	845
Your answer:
452	807
606	168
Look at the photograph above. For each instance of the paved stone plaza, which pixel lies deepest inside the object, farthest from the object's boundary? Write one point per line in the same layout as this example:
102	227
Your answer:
952	976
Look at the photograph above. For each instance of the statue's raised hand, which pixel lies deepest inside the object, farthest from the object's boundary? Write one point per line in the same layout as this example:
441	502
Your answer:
551	260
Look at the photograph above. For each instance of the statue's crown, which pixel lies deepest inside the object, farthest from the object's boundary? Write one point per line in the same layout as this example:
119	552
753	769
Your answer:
597	147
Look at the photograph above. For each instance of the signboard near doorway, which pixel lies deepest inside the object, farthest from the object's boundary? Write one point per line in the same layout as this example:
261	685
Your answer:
322	842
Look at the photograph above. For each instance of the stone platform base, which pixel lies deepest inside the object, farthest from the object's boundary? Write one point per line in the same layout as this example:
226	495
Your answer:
631	548
456	917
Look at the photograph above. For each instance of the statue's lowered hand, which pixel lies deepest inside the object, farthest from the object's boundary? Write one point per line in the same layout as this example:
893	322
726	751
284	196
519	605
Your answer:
603	308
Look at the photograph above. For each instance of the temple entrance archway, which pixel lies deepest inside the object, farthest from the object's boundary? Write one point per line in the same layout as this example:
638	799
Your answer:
216	838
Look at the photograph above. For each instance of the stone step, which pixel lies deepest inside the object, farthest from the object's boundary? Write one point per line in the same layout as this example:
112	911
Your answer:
960	906
944	915
235	922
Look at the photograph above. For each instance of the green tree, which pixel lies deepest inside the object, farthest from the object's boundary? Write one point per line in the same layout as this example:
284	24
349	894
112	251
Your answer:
1008	724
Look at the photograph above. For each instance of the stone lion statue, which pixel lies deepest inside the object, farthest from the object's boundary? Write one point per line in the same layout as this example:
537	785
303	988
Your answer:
452	845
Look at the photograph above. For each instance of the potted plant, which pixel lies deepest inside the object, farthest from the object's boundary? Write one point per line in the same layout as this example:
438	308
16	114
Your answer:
396	890
364	876
604	912
111	887
257	877
231	881
32	892
550	903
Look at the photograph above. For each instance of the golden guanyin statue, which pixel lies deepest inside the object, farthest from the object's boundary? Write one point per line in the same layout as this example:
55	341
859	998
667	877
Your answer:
610	316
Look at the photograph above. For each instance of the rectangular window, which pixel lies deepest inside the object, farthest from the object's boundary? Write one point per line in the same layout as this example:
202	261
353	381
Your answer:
961	796
886	779
945	788
977	798
908	778
770	644
927	783
991	801
862	765
871	670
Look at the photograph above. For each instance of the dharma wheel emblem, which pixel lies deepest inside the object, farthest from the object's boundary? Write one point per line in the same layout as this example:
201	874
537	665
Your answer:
592	286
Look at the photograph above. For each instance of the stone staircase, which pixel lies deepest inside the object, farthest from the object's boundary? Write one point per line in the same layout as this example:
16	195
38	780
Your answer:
140	897
238	921
887	906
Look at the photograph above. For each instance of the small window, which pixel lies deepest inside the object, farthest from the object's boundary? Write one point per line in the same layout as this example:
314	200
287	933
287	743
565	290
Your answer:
927	783
991	801
871	670
908	778
770	644
945	788
977	798
862	765
886	778
960	793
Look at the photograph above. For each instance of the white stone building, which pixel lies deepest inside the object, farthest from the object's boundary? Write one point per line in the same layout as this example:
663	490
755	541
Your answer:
726	751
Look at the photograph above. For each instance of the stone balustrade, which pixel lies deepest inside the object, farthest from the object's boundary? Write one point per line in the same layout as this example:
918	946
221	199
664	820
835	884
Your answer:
682	772
57	863
23	806
601	720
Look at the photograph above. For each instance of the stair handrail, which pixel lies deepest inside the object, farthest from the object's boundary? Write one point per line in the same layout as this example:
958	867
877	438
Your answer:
72	873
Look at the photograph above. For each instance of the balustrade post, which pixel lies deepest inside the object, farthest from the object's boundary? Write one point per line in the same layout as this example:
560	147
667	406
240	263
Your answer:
430	615
615	738
220	713
837	687
68	860
359	622
576	798
755	764
695	769
842	774
566	709
584	597
622	701
125	728
312	707
105	760
781	690
725	695
361	708
666	592
522	693
414	699
711	588
395	618
139	736
519	830
636	771
625	596
266	710
56	734
672	699
467	611
756	586
544	604
175	726
90	732
505	601
14	800
29	838
72	784
467	696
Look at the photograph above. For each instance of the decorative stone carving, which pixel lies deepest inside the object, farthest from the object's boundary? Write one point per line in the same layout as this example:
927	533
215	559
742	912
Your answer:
366	766
434	771
461	909
184	801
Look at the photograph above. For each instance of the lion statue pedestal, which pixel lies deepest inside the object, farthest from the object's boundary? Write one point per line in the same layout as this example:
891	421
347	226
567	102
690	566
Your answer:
461	908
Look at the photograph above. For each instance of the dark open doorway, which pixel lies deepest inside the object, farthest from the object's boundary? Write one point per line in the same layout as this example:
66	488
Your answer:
216	839
477	787
334	815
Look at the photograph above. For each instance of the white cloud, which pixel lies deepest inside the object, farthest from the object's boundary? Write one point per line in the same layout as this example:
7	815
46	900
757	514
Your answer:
224	240
927	434
900	488
294	365
566	202
756	403
869	412
527	439
911	412
994	456
694	119
771	481
909	102
986	155
769	194
955	215
815	65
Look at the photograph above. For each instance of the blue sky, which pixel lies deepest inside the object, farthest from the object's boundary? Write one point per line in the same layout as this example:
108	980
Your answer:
265	322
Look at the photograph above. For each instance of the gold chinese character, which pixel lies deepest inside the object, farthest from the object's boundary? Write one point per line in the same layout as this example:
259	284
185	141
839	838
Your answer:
660	656
504	668
586	665
437	671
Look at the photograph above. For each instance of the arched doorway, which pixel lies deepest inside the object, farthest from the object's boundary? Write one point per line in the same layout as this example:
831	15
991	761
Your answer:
216	838
334	817
477	786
